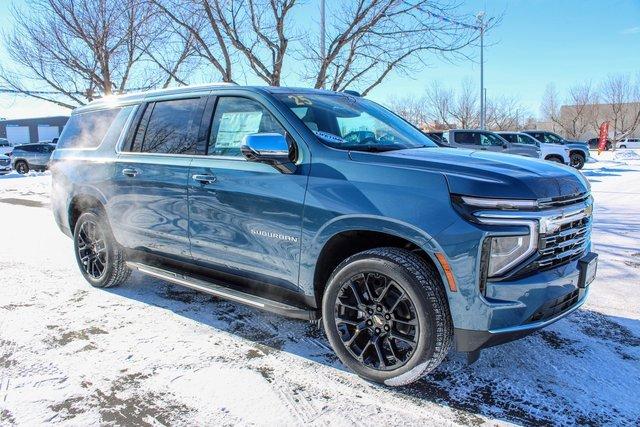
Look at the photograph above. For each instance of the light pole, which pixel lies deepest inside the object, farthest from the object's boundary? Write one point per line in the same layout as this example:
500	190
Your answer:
480	18
322	33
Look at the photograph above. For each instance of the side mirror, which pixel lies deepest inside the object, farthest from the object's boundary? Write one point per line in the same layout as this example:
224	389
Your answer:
269	148
505	145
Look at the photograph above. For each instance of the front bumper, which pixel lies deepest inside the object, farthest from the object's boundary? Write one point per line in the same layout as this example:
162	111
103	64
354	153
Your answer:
467	340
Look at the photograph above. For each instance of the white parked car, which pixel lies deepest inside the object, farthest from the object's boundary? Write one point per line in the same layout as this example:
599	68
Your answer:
5	164
629	143
552	152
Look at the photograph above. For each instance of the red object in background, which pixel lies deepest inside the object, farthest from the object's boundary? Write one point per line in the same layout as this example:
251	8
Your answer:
602	138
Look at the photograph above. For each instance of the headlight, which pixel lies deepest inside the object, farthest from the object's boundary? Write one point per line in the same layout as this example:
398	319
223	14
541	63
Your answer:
507	251
502	253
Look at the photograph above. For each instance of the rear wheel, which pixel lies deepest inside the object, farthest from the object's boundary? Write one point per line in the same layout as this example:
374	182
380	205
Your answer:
577	160
21	167
386	316
100	258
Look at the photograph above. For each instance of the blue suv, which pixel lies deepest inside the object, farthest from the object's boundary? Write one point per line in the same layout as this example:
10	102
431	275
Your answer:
326	207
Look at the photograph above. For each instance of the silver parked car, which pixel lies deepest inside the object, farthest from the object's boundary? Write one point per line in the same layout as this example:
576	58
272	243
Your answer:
32	156
483	140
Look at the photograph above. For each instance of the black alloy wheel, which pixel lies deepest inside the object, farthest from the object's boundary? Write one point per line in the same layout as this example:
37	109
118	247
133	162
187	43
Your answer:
377	321
577	160
92	249
22	167
386	315
100	258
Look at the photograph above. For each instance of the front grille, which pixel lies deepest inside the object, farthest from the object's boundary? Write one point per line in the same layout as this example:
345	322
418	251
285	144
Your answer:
557	202
556	307
565	244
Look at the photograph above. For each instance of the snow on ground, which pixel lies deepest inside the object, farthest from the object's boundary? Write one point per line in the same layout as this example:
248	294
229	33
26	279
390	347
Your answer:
151	353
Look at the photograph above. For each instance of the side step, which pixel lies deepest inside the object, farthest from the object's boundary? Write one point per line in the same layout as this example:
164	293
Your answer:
221	291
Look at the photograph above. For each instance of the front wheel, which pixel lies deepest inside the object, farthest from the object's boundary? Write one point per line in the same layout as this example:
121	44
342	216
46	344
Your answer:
100	258
386	316
577	160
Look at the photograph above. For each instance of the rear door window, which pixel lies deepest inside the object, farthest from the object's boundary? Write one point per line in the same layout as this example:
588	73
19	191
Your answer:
467	138
87	130
168	127
510	137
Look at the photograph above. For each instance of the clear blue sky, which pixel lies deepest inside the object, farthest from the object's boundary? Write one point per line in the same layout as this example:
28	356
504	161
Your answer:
538	42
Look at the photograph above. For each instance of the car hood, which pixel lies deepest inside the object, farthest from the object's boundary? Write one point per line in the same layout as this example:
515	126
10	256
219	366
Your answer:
487	174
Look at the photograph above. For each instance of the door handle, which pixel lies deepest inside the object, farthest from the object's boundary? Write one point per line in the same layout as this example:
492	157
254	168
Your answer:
130	172
204	179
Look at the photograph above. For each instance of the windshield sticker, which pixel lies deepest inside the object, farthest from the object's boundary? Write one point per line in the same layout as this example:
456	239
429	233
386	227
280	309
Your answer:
329	137
300	100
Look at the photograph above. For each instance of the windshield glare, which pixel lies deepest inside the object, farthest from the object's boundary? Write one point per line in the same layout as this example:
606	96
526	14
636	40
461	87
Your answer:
352	123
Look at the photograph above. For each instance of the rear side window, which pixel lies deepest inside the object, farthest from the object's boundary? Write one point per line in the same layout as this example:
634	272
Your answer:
510	137
87	130
469	138
168	127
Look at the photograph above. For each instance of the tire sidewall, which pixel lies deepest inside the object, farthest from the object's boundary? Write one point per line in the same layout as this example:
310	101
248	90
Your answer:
110	244
19	165
580	163
424	312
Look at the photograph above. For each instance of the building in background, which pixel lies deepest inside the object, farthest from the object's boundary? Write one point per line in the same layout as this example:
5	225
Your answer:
582	122
22	131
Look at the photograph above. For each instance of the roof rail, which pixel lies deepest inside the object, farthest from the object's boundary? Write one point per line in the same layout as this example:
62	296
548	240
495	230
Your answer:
352	92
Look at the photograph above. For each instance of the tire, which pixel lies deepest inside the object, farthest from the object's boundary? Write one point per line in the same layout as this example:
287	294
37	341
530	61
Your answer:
555	159
21	167
577	160
102	264
607	146
421	316
623	146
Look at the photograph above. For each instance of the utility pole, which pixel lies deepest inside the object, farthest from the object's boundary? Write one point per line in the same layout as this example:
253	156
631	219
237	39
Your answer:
480	18
322	33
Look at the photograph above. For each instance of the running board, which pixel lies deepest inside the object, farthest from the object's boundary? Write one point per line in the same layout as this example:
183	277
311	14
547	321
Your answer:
220	290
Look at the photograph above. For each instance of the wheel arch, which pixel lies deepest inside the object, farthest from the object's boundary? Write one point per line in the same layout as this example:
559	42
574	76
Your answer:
348	236
83	202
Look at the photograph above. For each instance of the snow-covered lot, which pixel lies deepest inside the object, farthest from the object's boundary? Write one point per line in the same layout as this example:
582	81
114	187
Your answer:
152	353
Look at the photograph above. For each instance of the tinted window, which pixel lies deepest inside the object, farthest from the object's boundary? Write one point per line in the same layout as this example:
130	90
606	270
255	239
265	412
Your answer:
27	148
487	139
235	118
170	127
510	137
526	139
552	138
468	138
87	130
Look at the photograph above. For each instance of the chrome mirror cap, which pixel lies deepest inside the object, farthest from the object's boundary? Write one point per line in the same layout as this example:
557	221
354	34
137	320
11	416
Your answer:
269	148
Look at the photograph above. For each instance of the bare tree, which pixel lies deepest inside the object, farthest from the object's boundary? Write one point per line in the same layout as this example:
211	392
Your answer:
439	103
224	31
465	109
578	113
370	38
413	109
71	51
505	113
621	96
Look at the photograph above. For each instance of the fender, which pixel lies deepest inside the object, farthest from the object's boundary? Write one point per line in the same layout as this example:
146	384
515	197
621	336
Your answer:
312	246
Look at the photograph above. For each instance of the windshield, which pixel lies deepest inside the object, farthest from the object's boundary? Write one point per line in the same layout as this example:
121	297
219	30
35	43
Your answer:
352	123
552	138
